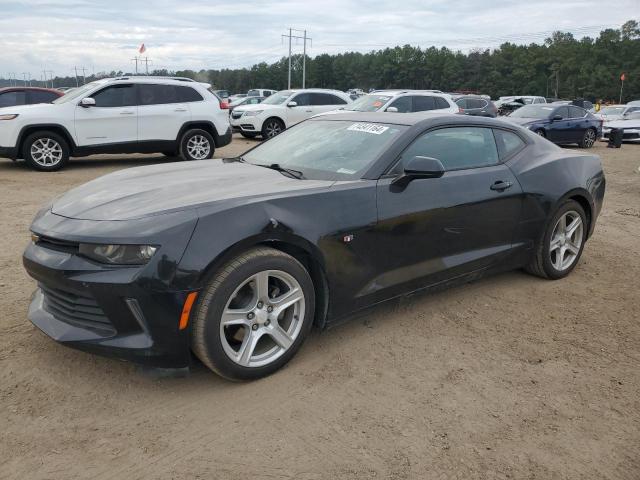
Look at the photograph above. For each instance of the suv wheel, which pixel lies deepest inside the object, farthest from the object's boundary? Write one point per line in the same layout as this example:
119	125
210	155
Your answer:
46	151
272	127
196	144
588	139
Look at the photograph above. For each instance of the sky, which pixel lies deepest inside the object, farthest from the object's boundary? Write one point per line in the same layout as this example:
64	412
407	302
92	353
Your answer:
58	35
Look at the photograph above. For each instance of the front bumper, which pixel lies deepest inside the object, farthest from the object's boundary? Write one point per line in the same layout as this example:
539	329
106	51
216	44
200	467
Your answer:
224	140
9	152
628	134
248	124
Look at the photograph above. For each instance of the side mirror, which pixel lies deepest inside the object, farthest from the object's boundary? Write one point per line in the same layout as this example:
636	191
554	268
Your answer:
292	104
419	167
556	118
392	110
88	102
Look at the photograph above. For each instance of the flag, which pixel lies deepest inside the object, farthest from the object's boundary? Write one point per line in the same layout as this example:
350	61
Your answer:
142	49
623	77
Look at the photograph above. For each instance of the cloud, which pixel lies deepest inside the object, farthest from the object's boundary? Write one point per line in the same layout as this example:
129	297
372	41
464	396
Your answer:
103	36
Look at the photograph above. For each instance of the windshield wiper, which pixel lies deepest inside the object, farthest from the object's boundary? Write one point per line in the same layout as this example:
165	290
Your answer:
279	168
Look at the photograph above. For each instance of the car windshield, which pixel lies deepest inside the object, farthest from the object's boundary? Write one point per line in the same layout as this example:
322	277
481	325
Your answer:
76	93
369	103
278	98
612	110
327	150
533	111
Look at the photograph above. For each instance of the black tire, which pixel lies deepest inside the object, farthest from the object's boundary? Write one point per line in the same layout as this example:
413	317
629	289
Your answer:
589	138
541	264
271	127
206	337
541	133
248	135
187	154
40	139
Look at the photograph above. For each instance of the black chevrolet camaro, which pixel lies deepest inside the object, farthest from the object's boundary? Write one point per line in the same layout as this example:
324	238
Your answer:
235	260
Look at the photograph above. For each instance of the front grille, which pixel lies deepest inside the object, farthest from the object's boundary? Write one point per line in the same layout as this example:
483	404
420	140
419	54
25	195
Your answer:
58	245
78	310
235	114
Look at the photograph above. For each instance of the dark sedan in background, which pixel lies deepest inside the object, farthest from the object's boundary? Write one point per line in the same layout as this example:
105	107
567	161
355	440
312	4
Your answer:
561	124
235	260
14	96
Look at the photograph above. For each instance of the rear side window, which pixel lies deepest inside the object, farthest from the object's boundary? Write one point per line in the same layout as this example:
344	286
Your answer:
423	103
326	99
157	94
115	96
187	94
476	103
576	112
456	147
441	103
11	99
38	96
508	143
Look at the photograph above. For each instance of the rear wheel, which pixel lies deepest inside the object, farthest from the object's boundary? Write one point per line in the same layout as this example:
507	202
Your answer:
272	127
46	151
196	144
541	133
588	139
253	315
560	248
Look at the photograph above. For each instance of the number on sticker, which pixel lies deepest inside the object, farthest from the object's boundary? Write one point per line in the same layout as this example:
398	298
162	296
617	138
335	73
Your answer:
368	128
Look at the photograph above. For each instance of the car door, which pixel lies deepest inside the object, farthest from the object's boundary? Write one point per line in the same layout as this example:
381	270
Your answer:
162	111
113	119
441	228
578	122
302	111
560	130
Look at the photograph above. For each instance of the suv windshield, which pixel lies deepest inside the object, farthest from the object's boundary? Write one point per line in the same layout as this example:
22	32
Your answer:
369	103
533	111
278	98
327	150
76	93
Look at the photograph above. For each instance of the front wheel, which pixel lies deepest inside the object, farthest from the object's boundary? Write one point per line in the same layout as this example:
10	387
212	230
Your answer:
541	133
253	315
588	139
196	144
562	242
272	127
46	151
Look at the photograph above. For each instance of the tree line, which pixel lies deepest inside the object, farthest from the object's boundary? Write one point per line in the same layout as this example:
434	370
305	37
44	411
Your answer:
587	68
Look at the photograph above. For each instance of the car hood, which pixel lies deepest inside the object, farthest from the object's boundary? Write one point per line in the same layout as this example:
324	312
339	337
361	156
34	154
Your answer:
628	124
141	192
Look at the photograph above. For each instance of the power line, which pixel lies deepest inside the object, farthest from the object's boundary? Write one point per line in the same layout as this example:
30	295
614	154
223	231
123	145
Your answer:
290	37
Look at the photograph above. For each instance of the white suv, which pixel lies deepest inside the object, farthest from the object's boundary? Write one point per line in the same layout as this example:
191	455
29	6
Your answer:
284	109
404	101
117	115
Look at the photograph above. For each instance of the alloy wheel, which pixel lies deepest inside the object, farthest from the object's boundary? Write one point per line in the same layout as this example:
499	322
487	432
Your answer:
262	318
46	152
566	240
198	147
273	128
589	138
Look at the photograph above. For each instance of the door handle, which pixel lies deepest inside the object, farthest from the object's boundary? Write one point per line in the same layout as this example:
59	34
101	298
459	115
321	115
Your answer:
500	186
127	113
180	110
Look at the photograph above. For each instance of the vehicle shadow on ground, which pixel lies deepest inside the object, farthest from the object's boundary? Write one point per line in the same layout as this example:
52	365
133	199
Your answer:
94	163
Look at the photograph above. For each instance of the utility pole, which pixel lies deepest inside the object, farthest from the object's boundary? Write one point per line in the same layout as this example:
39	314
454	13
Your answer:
135	60
557	84
24	77
84	78
146	64
77	84
304	38
50	72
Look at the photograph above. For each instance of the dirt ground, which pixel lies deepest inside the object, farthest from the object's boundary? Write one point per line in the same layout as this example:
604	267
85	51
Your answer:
511	377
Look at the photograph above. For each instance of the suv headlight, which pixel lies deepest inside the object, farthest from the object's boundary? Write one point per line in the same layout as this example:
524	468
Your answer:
9	116
253	113
118	254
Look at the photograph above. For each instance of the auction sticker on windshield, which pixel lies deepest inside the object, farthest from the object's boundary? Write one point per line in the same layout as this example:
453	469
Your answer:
368	128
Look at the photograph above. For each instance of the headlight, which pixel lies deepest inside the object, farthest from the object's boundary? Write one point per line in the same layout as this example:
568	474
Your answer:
253	113
118	254
9	116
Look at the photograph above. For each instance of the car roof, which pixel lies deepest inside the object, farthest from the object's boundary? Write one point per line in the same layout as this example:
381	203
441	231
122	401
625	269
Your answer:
410	119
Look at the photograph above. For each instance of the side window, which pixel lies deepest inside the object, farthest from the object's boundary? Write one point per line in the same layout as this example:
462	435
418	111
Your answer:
187	94
422	103
456	147
11	99
38	96
302	99
156	94
441	103
508	143
461	102
403	104
576	112
326	99
538	100
115	96
562	111
477	103
268	93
